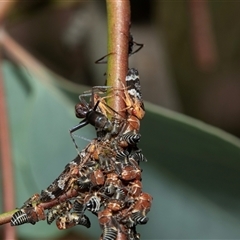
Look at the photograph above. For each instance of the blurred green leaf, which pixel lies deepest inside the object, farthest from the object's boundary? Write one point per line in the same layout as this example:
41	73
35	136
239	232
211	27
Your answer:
193	175
40	117
193	169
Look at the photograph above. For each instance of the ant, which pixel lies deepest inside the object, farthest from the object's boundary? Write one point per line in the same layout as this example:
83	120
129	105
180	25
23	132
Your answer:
91	115
97	115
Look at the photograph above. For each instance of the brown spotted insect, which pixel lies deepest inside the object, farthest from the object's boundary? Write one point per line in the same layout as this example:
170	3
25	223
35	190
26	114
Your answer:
128	138
90	201
28	215
91	176
21	217
130	172
58	210
108	224
30	212
69	220
112	183
117	201
134	189
138	212
127	168
34	200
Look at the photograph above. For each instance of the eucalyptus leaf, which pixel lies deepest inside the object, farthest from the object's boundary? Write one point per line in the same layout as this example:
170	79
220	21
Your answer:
40	117
193	175
193	169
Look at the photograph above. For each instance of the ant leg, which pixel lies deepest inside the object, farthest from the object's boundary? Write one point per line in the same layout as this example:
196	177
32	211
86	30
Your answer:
131	43
140	46
97	90
99	61
83	123
75	144
100	89
86	93
91	93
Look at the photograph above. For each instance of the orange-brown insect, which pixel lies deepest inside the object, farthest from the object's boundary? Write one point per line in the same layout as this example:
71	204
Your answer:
135	189
117	201
133	95
138	214
108	224
58	210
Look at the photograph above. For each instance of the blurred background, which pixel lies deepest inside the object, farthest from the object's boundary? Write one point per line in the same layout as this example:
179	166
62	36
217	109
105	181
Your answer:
189	64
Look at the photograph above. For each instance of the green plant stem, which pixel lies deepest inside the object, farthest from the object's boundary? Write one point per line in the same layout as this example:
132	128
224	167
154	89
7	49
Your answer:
118	14
6	217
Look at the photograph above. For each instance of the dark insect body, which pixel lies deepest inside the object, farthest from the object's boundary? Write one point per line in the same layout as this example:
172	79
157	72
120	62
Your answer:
131	45
91	116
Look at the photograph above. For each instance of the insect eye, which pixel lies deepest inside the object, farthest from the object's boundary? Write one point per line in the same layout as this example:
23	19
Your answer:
81	110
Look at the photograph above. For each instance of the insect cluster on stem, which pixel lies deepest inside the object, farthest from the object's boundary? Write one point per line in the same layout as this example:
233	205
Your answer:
105	177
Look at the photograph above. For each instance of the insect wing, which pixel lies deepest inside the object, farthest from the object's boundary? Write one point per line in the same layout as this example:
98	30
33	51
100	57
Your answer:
19	218
133	84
